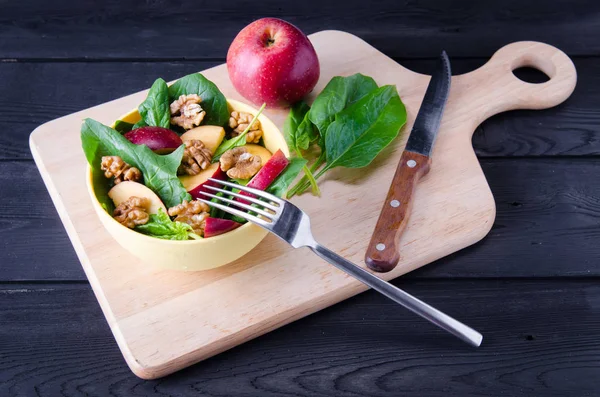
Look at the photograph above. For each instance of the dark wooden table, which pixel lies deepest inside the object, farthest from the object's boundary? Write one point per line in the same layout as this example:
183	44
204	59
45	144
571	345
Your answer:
531	287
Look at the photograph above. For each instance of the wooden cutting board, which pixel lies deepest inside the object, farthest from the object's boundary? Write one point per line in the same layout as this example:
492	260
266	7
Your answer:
166	320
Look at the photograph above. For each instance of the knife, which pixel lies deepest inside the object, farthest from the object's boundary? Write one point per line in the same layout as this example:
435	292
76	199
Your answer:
383	250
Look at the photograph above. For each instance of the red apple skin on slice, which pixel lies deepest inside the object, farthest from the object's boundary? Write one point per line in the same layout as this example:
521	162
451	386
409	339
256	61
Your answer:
160	140
210	135
124	190
215	226
267	174
195	184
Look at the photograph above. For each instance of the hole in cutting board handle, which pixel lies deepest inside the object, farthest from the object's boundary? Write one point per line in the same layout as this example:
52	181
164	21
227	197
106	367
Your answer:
530	74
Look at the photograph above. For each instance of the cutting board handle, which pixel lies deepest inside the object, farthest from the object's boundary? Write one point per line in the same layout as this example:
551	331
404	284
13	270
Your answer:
474	97
496	82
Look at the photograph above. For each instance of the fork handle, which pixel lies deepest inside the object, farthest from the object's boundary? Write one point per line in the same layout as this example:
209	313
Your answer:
413	304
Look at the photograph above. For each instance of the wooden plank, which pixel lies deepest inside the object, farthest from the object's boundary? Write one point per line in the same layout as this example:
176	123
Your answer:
33	242
546	225
571	129
540	338
57	89
129	29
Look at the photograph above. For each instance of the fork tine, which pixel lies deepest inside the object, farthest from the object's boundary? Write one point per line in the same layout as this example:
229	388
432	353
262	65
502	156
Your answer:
239	213
241	205
259	193
247	198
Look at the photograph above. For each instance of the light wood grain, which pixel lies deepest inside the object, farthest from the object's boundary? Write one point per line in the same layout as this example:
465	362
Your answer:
166	320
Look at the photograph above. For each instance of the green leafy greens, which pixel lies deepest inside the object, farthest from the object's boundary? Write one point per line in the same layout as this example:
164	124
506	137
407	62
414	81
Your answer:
159	171
161	226
213	100
123	126
338	94
281	184
139	124
299	133
362	130
355	120
155	108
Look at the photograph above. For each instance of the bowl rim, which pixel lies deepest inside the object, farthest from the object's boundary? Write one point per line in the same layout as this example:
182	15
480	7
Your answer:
211	240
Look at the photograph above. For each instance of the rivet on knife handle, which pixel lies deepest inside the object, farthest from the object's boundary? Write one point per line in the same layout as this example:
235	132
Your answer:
383	251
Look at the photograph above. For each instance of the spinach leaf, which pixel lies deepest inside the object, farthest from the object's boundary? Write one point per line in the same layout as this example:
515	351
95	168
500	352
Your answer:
161	226
123	126
159	171
139	124
235	218
338	94
280	185
213	101
155	109
299	133
363	129
298	130
229	144
214	211
239	140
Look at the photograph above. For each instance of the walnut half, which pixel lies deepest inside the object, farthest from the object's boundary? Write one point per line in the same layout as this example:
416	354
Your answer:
133	212
240	164
194	213
196	157
115	167
239	122
186	111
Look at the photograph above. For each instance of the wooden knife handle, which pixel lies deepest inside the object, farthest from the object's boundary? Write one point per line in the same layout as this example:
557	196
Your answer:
383	251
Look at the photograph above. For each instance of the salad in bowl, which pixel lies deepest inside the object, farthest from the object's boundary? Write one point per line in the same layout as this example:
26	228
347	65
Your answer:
147	171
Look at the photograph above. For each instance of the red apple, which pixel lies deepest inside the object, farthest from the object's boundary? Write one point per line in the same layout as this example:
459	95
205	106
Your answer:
158	139
267	173
271	61
194	184
215	226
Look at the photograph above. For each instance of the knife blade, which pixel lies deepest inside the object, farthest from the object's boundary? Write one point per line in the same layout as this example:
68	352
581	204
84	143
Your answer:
383	249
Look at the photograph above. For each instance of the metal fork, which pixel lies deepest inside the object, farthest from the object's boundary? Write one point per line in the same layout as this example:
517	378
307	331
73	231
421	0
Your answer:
292	225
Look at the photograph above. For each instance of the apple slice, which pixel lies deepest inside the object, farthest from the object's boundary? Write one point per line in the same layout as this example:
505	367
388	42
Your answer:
194	184
260	151
215	226
267	173
210	135
124	190
158	139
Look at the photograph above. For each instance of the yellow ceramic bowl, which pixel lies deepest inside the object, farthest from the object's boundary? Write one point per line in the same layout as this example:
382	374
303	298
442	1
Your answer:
191	255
